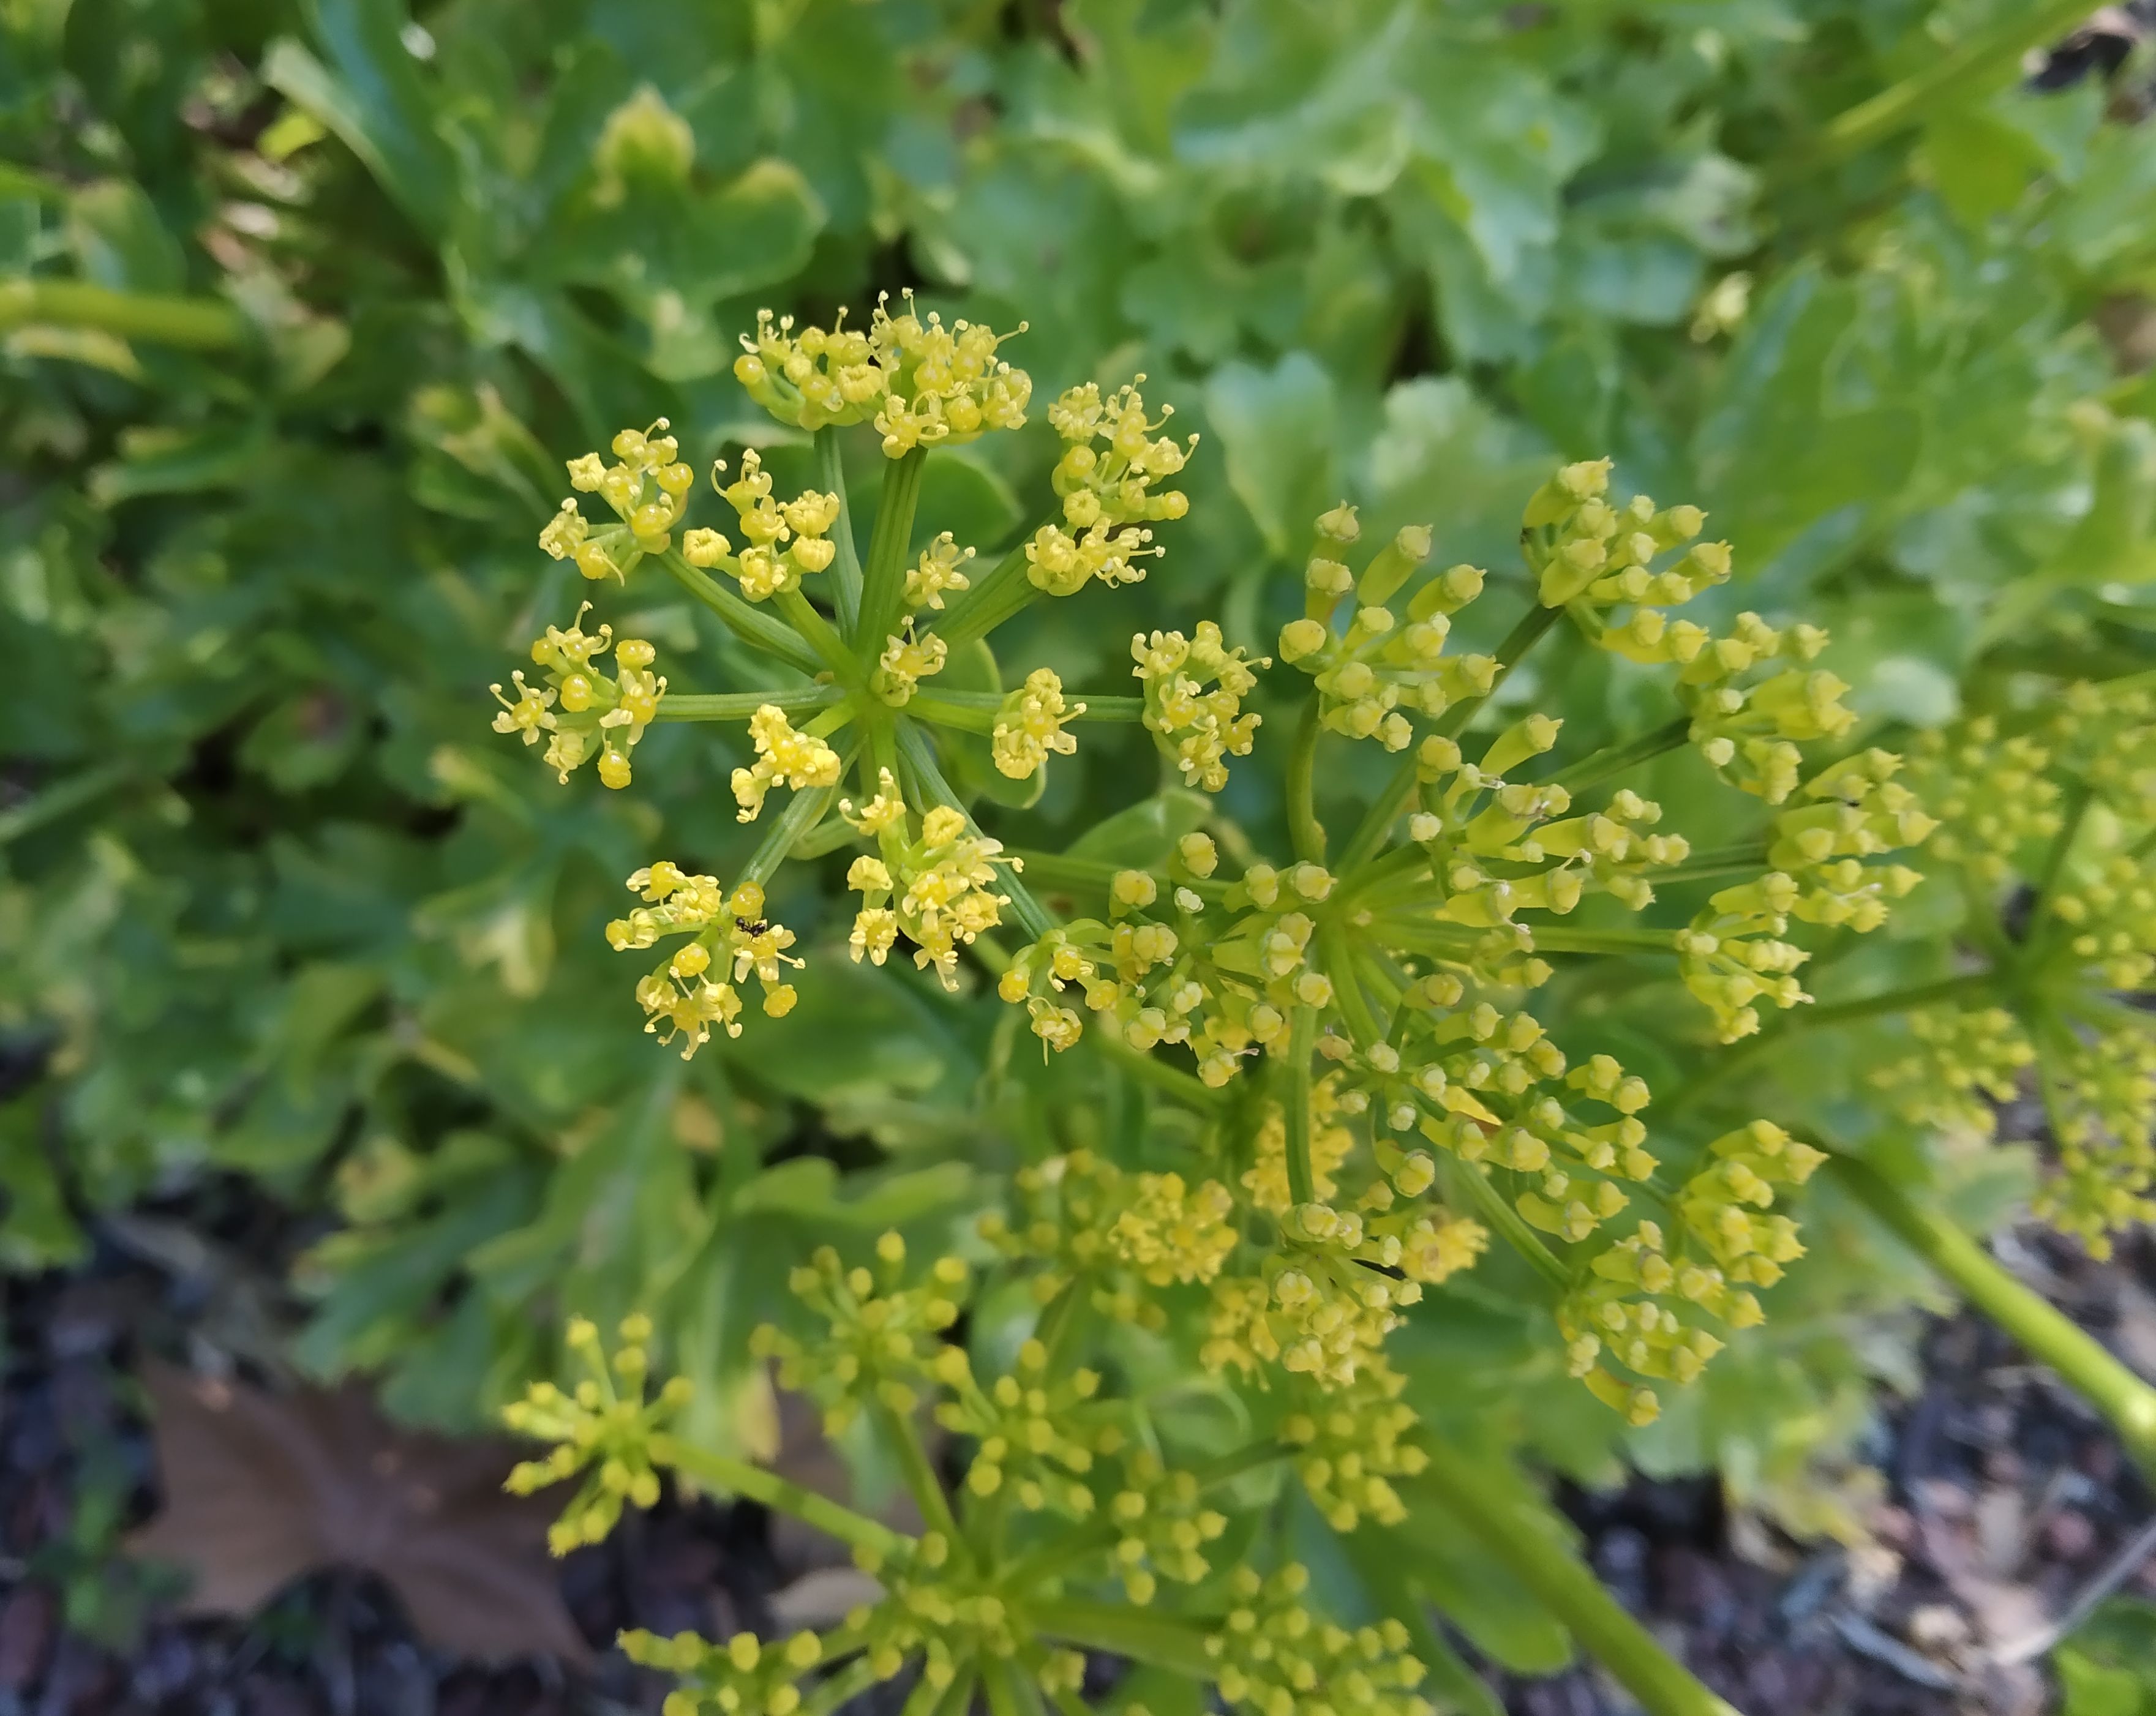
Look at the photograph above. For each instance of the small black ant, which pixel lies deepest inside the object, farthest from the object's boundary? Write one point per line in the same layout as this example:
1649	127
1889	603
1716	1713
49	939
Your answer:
758	928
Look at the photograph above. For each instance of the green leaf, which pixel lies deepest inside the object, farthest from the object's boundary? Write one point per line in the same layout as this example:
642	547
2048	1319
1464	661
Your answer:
366	89
1142	835
1277	429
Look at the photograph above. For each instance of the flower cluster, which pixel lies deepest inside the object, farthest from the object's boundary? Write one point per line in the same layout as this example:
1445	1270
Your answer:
745	1676
920	383
1029	725
881	1334
2063	803
1275	1657
1162	1525
1722	1248
1111	458
935	886
1197	729
1375	672
603	1428
695	988
783	758
781	543
1349	1447
941	567
580	709
1022	1428
648	491
1082	1221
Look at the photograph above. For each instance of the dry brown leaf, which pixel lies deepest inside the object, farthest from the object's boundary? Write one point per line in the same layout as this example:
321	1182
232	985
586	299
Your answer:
261	1489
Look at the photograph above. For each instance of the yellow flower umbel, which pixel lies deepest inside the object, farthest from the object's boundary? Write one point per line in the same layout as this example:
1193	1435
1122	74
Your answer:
781	543
783	757
603	1428
1110	461
694	989
647	491
1198	729
583	712
1029	725
935	887
2062	813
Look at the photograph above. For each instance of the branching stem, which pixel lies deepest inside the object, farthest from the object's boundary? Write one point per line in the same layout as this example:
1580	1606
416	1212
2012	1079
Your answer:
2045	1331
733	1476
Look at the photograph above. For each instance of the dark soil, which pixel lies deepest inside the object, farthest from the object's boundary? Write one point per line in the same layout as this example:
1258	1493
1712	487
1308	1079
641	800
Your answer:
2004	1497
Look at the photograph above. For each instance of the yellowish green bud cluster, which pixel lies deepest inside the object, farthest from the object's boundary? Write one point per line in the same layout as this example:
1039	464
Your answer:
920	383
745	1676
647	491
694	989
1966	1062
603	1428
1024	1427
881	1337
1350	1446
1732	955
1724	1247
1378	667
939	1608
1163	1526
2067	807
581	710
1273	1656
780	543
1089	1223
935	887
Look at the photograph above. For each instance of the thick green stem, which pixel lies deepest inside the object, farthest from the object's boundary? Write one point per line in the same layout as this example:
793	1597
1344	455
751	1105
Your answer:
2079	798
975	711
921	1483
734	1477
740	705
798	818
1513	1535
1305	831
1185	1088
846	564
1615	759
2046	1333
1122	1630
1470	1183
822	637
751	624
1056	869
1302	1033
883	576
1339	955
204	323
1989	58
1002	591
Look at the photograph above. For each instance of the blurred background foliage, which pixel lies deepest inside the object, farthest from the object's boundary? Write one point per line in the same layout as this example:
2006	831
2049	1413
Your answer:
304	303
